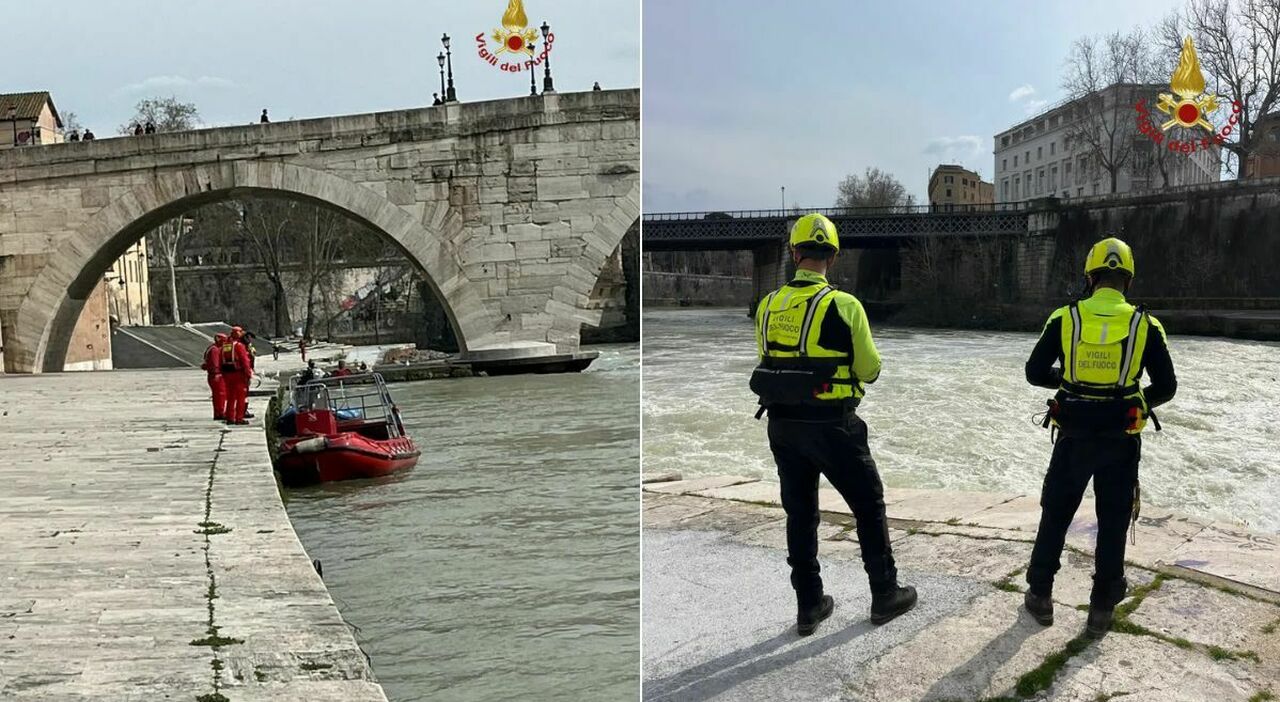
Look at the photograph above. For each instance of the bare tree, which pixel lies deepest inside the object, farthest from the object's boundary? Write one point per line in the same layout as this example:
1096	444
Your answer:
874	189
267	225
70	122
1238	43
323	241
168	114
166	239
1100	77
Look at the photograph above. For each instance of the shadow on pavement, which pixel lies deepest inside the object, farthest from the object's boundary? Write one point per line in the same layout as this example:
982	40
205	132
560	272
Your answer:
719	675
973	677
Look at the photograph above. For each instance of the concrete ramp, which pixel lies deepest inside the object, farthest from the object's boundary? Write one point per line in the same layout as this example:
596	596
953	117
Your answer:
158	347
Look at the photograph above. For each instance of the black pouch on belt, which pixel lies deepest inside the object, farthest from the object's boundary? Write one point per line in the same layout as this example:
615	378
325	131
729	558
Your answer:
779	384
1078	415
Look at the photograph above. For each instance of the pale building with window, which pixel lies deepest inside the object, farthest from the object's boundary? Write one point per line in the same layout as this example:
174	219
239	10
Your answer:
129	288
29	119
950	184
1036	159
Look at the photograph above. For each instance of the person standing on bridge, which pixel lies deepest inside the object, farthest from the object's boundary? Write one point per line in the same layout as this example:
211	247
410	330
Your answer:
816	352
213	369
236	373
1101	345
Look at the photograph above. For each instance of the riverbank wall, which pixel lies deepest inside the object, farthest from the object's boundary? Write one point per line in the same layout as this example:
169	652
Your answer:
148	554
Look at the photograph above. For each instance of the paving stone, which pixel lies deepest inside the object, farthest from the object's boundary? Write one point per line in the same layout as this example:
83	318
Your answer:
1144	669
1211	617
976	653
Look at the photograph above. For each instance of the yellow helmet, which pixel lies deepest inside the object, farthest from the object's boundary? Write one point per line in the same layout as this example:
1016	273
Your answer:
814	229
1109	254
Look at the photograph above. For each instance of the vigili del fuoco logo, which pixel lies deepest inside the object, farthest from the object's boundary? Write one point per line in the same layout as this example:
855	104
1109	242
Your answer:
514	42
1189	107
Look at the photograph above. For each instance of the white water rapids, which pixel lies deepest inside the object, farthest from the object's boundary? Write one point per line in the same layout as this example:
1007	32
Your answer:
952	409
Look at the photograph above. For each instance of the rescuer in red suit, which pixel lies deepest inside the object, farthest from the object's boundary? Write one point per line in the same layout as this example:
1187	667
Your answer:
213	368
237	369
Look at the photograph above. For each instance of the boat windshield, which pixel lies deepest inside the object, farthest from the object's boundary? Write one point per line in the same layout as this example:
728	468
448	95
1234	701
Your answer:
351	398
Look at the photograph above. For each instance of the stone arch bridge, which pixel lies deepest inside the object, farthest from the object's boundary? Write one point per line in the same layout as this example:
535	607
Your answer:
510	208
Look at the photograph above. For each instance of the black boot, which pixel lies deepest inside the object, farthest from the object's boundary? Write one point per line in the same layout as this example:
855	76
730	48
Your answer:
1040	607
892	604
1099	622
807	618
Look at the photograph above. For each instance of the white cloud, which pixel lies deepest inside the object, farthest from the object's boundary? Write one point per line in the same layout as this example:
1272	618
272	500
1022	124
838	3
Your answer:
1022	92
952	146
161	83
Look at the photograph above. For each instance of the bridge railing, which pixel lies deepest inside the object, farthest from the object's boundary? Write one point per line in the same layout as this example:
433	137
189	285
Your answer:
837	212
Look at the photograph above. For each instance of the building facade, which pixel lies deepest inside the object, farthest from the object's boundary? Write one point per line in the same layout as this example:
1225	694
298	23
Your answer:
1264	162
29	119
128	283
1050	154
950	184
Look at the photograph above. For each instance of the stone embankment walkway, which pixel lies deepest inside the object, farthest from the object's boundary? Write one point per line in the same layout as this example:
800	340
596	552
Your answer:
147	554
1201	622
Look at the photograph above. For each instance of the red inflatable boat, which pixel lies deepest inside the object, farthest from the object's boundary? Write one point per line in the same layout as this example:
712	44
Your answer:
344	428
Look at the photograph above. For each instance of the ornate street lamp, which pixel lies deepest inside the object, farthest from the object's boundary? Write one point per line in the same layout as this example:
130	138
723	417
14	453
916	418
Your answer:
440	59
547	85
533	82
450	94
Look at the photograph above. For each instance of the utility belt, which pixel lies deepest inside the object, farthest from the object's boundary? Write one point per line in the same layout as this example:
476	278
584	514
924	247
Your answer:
229	368
1079	416
789	388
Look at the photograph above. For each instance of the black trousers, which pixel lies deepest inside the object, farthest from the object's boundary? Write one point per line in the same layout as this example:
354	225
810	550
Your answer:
837	449
1112	463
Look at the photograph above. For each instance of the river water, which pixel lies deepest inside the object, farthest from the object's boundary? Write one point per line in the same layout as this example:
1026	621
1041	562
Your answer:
505	565
952	409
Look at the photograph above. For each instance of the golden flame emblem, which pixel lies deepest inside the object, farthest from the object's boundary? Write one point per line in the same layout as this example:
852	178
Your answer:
515	36
1192	104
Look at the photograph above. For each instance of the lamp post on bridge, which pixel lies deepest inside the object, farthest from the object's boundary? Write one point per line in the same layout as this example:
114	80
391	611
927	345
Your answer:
784	199
533	73
450	94
440	60
548	86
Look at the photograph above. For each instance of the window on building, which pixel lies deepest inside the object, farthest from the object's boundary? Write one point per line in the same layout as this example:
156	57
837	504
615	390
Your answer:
1027	159
948	192
1004	141
1015	161
1004	164
1052	145
1080	192
1053	178
1039	181
1017	182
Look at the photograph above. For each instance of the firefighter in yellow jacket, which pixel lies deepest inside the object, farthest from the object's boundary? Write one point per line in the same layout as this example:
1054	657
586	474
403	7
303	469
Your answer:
816	353
1101	345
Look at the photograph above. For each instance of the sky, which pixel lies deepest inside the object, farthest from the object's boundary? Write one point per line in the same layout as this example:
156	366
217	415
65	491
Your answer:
297	58
745	97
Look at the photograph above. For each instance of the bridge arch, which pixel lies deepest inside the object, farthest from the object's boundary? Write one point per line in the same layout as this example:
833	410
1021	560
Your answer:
49	313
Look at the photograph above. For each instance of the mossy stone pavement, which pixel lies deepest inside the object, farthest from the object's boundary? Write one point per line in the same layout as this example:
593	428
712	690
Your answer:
147	554
719	617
